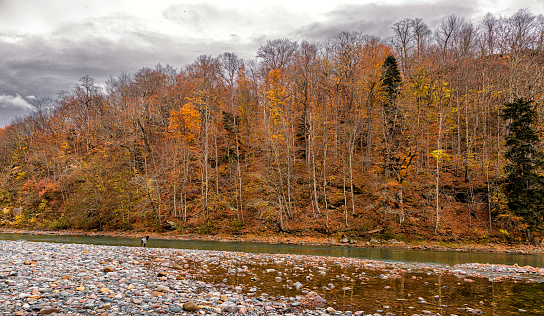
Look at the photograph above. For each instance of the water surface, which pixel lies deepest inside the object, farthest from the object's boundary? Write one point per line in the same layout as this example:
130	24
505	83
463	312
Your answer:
405	255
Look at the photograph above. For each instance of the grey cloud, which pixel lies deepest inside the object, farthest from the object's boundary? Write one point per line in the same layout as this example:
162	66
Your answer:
43	66
375	19
205	19
199	16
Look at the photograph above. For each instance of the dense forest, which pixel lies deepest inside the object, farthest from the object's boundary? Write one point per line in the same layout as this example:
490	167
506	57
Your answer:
402	135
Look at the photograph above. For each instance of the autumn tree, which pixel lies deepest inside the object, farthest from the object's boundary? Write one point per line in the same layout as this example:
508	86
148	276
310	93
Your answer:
184	130
204	74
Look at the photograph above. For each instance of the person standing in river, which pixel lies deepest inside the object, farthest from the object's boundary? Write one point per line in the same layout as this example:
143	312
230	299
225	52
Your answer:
144	241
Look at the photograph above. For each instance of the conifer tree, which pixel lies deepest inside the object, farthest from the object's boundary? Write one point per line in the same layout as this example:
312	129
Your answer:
524	187
391	81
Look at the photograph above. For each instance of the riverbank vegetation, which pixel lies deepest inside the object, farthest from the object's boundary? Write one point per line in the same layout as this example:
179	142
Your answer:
357	136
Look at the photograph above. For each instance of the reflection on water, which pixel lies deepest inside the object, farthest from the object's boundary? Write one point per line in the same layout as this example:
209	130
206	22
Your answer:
443	257
354	285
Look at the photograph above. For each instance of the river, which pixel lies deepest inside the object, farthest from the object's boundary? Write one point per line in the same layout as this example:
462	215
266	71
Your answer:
389	254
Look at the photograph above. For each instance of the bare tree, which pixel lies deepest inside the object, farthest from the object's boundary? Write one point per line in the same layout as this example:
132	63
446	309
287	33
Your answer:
445	33
517	32
467	39
277	53
490	25
540	32
420	34
402	40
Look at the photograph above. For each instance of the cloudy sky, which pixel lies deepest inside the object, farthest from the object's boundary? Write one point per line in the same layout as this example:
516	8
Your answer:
47	46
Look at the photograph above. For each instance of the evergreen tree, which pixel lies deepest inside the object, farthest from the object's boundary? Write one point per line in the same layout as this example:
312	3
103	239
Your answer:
524	187
391	79
393	118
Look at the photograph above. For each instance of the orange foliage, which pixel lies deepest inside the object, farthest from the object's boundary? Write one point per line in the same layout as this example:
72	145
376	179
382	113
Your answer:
184	123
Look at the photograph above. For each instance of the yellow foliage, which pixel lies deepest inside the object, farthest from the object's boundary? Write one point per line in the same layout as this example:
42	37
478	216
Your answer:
184	123
440	155
425	89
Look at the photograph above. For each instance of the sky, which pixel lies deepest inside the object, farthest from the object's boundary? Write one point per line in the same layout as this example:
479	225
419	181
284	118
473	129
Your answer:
47	46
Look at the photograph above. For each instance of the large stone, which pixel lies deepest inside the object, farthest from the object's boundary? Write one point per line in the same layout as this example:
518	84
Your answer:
170	225
108	269
190	307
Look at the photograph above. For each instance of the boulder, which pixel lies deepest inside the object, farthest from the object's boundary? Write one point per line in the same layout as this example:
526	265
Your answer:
170	225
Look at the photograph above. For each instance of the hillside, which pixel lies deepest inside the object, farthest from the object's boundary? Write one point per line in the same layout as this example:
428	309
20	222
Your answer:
312	138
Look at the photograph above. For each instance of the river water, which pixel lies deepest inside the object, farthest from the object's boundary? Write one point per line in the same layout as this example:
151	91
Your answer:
367	289
404	255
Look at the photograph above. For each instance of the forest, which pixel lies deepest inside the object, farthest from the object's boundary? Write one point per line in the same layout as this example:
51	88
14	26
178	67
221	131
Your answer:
402	136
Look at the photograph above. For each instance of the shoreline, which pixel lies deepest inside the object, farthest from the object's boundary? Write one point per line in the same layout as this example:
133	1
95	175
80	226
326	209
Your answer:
304	240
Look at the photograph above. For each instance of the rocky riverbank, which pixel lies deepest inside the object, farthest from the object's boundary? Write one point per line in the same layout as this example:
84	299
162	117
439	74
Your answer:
61	279
44	278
